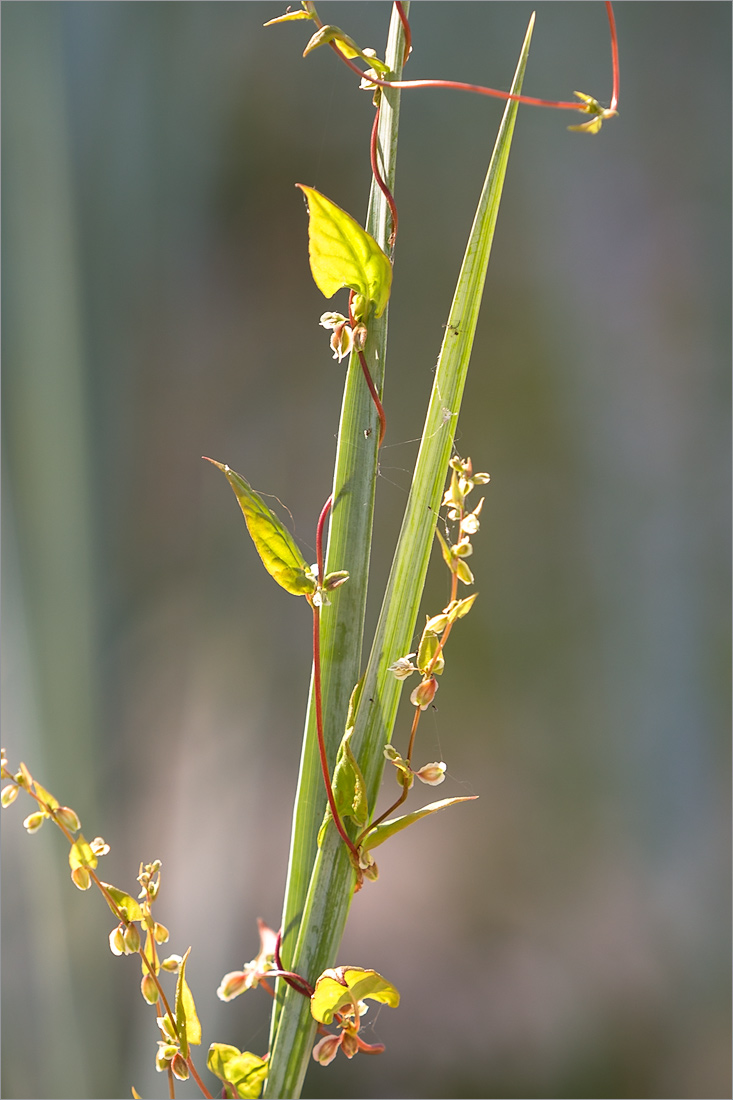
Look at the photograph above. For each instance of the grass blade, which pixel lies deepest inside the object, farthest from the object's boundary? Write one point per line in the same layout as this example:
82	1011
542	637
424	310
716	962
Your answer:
331	886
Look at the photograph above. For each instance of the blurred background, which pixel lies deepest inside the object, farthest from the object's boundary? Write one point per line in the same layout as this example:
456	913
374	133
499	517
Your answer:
568	935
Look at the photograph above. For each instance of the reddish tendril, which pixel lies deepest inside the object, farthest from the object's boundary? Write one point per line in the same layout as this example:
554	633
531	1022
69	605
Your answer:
614	54
479	89
406	28
317	691
373	148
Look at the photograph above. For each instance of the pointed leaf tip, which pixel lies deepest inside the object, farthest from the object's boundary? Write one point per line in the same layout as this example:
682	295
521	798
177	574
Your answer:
275	545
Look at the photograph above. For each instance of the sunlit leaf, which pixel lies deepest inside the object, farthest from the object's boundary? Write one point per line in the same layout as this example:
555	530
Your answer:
46	796
342	254
288	17
348	784
344	986
329	33
187	1021
276	546
245	1072
397	824
123	901
81	854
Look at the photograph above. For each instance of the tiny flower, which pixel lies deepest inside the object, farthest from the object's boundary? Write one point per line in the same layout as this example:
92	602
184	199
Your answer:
131	937
161	933
149	989
34	821
166	1028
403	667
349	1043
117	941
99	846
9	794
237	981
81	878
69	818
232	984
179	1065
165	1055
424	693
342	339
326	1049
432	774
470	523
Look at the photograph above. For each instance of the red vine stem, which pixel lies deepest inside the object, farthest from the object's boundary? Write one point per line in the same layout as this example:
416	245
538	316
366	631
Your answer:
614	54
319	729
197	1079
319	536
317	692
406	28
380	182
496	93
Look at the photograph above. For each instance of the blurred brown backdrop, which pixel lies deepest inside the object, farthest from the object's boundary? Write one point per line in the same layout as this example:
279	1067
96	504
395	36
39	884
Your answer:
568	934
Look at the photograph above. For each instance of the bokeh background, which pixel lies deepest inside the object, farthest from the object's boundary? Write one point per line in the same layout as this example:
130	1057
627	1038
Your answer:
568	934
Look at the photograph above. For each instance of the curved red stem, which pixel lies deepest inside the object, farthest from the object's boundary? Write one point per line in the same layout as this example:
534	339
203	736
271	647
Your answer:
406	28
319	536
496	93
319	730
380	182
614	54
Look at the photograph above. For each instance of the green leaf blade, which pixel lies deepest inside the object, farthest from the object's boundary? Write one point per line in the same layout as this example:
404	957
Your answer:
275	545
338	988
342	254
245	1072
397	824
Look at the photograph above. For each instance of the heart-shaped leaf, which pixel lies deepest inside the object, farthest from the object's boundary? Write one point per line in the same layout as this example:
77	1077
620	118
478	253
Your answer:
244	1071
342	986
344	254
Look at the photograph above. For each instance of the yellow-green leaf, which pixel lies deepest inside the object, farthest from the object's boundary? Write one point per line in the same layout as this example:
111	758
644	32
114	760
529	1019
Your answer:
343	986
46	796
123	901
288	17
187	1021
276	546
329	33
81	854
396	824
244	1071
342	254
348	785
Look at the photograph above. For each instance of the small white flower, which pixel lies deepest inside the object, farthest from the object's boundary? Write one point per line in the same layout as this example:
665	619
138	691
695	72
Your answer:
403	667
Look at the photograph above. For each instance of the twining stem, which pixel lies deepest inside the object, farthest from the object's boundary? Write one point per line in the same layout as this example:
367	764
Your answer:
406	28
479	89
319	729
614	55
319	536
317	681
373	147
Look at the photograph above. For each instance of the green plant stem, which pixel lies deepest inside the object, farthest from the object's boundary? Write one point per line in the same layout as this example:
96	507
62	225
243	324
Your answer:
349	544
332	882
